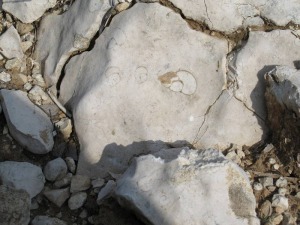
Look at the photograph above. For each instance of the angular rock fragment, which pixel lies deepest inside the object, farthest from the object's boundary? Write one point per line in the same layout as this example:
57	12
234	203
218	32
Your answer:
14	207
106	191
161	81
27	123
75	28
80	183
283	104
46	220
185	189
260	54
27	11
58	196
22	175
10	44
77	200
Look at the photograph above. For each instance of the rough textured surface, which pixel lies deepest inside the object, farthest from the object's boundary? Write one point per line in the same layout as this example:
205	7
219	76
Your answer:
22	175
10	44
46	220
27	11
76	28
261	53
230	15
27	123
155	98
283	103
14	207
184	188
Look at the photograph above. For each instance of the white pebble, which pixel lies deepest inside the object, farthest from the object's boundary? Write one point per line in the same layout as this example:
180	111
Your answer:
266	181
280	201
257	186
276	166
282	191
281	182
5	77
272	161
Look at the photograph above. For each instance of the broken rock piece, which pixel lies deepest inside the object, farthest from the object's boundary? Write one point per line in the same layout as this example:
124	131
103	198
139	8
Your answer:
27	11
10	44
75	28
186	188
27	123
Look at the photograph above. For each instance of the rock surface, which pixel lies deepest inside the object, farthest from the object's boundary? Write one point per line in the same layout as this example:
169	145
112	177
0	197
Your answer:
27	123
46	220
80	183
27	11
106	191
77	200
55	169
154	98
10	44
14	207
230	15
283	103
185	189
22	175
76	28
58	196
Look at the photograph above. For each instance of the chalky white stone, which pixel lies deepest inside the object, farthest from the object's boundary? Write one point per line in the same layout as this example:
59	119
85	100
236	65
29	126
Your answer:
10	44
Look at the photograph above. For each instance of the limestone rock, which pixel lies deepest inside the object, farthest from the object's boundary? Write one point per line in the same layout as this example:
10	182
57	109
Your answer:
27	11
260	54
46	220
80	183
58	196
27	123
64	181
5	77
283	104
77	200
230	15
55	169
22	175
10	44
106	191
155	98
75	28
71	164
183	186
14	207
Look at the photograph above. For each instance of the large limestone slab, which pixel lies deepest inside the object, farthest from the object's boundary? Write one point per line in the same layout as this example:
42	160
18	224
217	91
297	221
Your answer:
261	53
14	207
150	79
27	123
183	186
22	176
28	11
10	44
230	15
75	28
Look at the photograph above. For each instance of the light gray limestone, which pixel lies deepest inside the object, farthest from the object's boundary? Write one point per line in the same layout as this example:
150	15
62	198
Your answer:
27	123
22	175
28	11
76	28
183	186
10	44
55	169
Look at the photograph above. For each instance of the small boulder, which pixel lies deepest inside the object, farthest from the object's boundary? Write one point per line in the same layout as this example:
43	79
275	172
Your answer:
80	183
55	169
77	200
22	175
27	123
14	207
185	188
58	196
10	44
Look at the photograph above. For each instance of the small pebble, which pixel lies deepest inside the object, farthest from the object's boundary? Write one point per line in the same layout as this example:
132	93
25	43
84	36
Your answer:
280	201
27	86
80	183
272	161
83	214
5	77
276	166
13	64
77	200
55	169
71	164
282	191
64	181
257	186
271	188
277	219
266	181
281	182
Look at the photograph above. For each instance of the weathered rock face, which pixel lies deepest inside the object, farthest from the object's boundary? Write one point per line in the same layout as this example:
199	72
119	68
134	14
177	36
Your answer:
75	28
27	11
14	207
22	175
27	123
261	53
183	186
230	15
141	83
10	44
283	103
